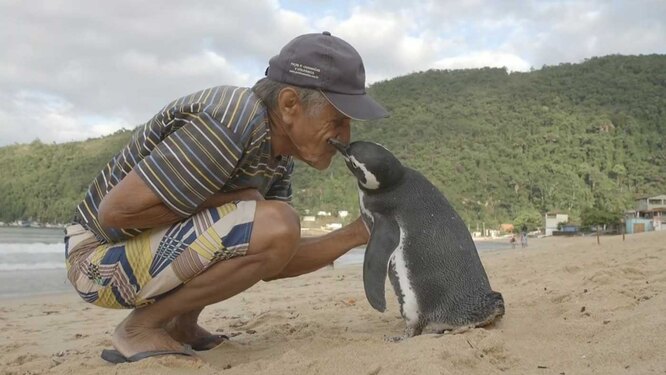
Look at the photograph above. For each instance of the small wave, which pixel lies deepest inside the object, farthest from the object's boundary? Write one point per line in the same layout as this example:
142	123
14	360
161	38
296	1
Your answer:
31	266
32	248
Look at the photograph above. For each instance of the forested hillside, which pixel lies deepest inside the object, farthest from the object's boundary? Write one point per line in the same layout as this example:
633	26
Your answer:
504	145
500	146
45	182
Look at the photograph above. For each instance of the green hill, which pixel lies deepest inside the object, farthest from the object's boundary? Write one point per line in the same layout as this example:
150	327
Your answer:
498	145
46	182
506	145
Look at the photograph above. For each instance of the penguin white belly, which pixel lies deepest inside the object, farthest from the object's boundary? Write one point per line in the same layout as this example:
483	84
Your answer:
410	306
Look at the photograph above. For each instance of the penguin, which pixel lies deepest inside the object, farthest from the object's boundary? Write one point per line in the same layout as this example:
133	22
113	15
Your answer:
419	241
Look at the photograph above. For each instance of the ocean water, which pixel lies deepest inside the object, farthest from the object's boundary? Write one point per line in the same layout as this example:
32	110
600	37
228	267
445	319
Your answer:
32	260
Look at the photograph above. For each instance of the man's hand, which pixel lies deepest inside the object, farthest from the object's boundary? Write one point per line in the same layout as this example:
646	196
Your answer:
218	199
360	230
249	194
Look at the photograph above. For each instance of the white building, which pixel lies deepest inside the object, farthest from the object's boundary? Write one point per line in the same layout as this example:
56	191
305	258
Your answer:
552	219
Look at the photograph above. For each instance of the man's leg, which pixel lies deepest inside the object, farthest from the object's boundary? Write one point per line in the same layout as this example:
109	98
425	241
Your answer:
275	235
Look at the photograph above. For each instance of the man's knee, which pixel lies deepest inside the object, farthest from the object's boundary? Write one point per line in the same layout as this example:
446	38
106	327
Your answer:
279	220
276	235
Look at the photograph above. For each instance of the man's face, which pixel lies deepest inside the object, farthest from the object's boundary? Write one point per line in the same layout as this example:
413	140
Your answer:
310	132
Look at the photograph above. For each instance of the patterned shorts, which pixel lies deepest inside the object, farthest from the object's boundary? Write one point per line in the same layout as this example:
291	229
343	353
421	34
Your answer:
138	271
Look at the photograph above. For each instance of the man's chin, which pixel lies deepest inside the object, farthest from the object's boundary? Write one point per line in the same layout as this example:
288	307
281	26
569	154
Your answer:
320	164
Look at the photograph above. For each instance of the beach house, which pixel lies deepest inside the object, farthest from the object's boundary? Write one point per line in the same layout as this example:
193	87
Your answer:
649	215
552	219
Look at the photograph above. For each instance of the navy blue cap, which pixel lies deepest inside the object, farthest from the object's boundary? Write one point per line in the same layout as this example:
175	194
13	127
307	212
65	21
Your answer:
331	65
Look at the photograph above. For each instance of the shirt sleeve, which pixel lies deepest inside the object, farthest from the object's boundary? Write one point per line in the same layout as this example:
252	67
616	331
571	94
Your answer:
192	163
281	189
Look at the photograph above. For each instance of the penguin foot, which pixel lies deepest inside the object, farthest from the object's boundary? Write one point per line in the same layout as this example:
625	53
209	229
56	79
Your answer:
394	339
461	329
410	331
453	331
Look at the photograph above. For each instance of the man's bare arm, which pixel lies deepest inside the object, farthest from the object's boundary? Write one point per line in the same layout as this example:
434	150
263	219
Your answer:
132	204
316	252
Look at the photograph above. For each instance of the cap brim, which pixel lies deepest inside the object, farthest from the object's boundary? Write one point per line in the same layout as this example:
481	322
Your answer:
357	107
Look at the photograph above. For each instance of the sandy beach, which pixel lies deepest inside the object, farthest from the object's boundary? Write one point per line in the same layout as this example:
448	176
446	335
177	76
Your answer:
572	307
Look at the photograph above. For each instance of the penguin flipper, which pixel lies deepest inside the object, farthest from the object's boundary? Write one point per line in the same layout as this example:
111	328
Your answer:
384	239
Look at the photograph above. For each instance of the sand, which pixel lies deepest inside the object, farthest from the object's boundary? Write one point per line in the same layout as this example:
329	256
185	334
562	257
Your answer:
572	307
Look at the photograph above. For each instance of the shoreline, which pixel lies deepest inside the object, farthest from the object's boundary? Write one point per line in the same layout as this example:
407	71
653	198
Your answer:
38	268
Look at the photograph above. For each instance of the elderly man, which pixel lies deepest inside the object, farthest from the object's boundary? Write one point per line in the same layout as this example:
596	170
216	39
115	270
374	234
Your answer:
194	209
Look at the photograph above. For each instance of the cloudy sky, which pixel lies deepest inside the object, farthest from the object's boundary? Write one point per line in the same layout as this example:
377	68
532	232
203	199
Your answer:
76	69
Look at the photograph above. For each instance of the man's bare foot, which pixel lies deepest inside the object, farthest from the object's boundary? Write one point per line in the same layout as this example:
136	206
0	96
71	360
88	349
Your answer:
132	336
188	331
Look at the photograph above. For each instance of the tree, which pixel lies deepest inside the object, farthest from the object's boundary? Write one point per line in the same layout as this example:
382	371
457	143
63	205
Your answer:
595	216
529	218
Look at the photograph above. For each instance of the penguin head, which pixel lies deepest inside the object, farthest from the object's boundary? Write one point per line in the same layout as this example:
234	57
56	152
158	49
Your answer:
374	166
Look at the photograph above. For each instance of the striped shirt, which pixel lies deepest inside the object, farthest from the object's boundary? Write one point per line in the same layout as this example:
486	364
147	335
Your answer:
214	140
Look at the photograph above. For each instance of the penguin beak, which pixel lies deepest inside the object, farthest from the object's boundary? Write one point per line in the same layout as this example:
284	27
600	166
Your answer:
342	147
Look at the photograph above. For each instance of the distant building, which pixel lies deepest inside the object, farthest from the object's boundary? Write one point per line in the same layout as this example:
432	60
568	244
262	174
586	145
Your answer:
650	204
638	225
343	214
308	218
566	230
649	215
552	219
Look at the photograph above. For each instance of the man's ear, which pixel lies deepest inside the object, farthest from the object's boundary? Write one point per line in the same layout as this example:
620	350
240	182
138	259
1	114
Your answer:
289	104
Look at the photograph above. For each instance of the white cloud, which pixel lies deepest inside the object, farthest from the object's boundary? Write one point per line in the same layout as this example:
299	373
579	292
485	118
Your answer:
482	59
75	69
52	119
385	41
204	64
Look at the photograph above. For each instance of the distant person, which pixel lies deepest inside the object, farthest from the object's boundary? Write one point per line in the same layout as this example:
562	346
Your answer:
523	236
513	241
523	240
194	209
